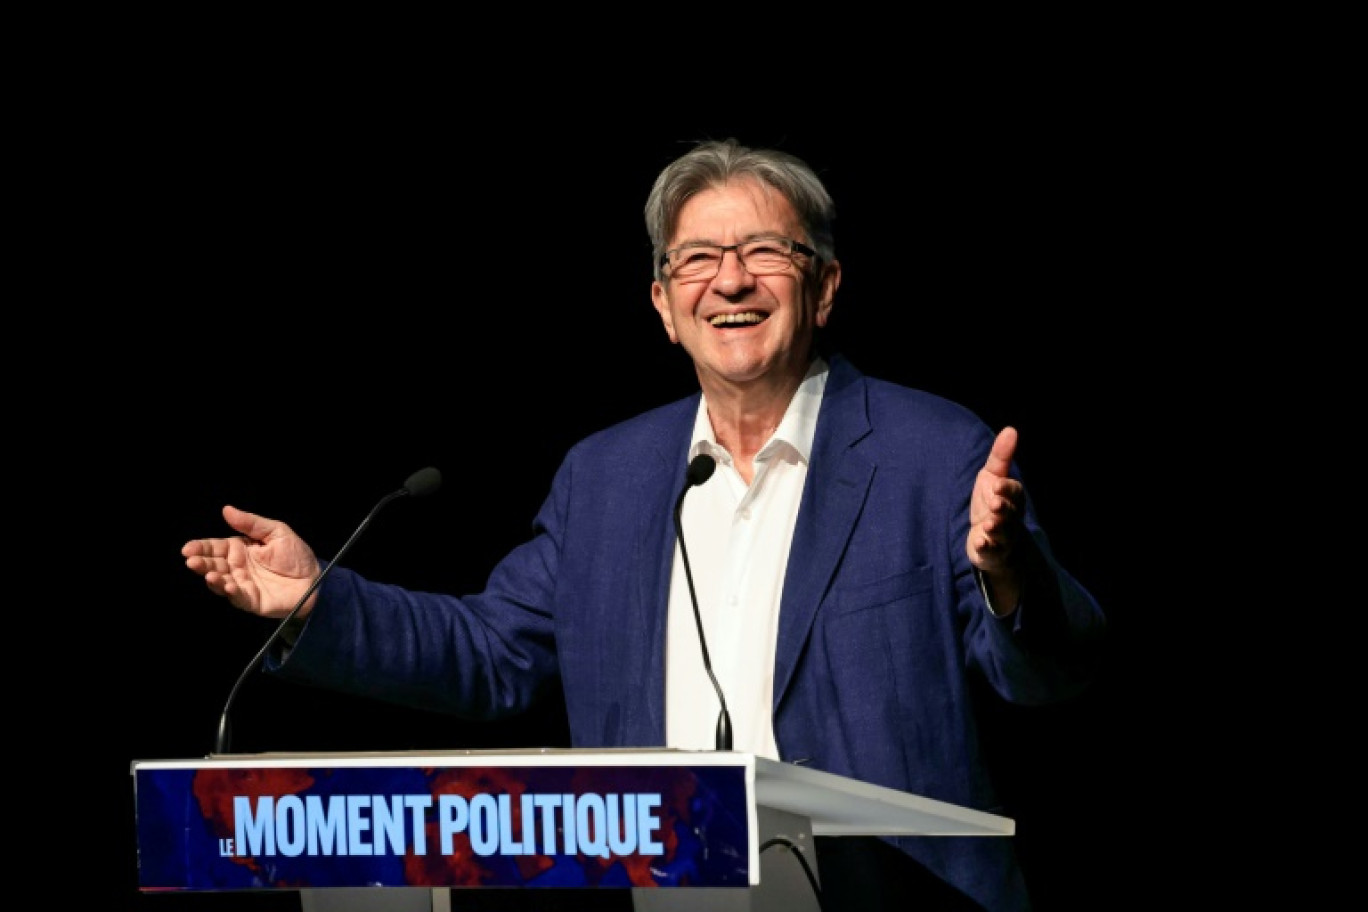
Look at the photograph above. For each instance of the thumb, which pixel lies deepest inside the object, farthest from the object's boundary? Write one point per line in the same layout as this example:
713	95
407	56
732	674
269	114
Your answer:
1004	448
253	526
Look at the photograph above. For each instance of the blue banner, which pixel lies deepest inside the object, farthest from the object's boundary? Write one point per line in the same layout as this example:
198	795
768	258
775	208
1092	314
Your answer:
243	827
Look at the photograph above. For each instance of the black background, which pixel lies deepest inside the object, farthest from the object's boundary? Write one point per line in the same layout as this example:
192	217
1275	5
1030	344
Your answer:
326	288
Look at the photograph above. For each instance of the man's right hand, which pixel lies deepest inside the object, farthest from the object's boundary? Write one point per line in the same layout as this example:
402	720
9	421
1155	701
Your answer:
264	570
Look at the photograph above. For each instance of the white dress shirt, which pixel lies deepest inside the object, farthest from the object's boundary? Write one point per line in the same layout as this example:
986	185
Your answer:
738	539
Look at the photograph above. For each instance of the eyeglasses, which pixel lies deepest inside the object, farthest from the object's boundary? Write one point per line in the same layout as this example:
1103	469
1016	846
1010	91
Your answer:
760	256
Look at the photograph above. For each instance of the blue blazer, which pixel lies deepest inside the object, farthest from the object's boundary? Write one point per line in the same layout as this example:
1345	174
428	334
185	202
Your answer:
882	625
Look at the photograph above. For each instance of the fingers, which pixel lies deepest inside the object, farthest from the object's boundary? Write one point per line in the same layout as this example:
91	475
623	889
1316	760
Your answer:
996	506
211	557
253	529
240	520
204	548
997	493
1002	498
996	531
201	553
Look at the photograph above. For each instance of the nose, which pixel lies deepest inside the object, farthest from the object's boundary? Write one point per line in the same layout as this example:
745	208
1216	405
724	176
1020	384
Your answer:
731	275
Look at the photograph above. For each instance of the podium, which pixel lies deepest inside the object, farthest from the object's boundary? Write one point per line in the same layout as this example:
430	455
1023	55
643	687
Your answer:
400	831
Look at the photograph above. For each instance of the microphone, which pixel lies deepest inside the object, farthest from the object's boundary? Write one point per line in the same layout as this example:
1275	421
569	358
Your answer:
420	484
700	470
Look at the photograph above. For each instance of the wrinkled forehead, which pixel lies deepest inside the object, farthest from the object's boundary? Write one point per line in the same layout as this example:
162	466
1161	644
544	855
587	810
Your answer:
741	207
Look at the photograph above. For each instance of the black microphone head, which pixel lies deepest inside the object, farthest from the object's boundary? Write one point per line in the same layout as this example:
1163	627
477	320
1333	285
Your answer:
423	482
700	469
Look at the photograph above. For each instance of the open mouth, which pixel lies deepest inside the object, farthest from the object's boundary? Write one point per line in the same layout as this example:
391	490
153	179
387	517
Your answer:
749	318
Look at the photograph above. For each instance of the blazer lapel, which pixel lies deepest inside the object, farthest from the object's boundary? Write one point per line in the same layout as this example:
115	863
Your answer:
837	486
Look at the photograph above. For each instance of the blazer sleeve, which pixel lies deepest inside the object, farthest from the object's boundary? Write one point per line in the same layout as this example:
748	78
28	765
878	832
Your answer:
1050	648
483	656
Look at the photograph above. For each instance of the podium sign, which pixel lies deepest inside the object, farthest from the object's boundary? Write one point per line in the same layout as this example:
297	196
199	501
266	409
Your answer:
626	819
429	823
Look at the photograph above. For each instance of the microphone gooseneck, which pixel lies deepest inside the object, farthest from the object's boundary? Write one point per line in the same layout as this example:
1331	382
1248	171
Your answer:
700	470
420	484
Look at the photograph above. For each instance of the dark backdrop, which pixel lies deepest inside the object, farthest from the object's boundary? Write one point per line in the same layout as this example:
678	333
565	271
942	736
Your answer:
319	299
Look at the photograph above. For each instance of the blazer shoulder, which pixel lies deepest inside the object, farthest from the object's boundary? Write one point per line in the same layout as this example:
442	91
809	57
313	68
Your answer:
890	396
656	430
890	406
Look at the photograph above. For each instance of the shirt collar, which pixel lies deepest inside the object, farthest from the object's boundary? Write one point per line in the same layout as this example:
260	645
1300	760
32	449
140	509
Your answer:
797	429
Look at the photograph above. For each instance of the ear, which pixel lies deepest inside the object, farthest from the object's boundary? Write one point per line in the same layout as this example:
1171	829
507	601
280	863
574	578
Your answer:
661	299
827	283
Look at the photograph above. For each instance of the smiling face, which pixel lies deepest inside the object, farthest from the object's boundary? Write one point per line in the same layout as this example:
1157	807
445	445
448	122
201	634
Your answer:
742	329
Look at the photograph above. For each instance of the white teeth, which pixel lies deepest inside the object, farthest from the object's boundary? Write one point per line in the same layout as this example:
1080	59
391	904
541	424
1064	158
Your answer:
749	317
